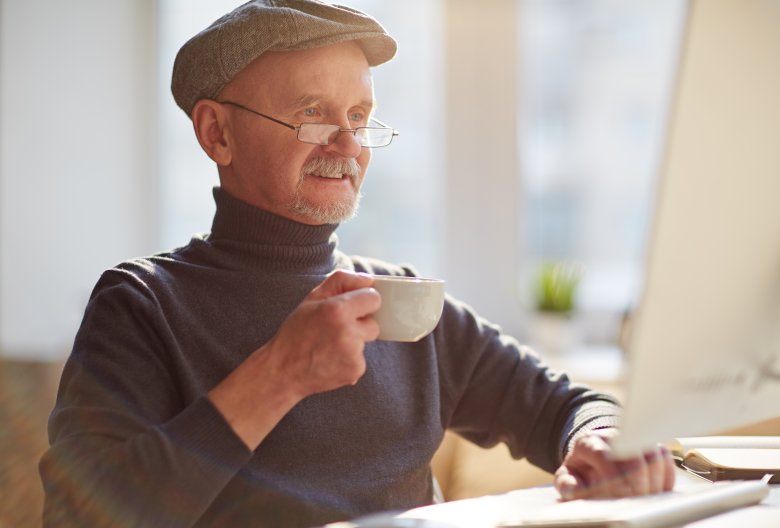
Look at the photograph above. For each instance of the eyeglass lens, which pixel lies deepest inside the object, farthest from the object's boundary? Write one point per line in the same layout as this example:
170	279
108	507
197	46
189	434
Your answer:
325	134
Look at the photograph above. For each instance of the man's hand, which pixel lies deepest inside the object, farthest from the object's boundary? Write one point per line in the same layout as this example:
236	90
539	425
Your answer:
319	347
589	470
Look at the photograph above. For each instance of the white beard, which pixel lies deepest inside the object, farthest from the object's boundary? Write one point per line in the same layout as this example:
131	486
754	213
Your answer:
335	212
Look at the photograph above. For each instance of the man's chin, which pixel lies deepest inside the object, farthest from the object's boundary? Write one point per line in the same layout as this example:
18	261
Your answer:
332	213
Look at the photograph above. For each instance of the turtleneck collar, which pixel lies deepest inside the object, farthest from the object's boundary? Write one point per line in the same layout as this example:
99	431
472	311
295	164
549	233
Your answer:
270	239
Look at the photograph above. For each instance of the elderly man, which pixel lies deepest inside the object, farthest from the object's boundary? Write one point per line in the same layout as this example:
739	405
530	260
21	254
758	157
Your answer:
237	381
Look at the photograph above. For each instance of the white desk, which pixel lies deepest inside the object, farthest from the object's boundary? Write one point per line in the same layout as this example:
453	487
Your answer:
485	512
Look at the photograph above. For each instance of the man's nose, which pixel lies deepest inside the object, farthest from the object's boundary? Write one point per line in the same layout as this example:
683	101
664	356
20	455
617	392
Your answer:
346	144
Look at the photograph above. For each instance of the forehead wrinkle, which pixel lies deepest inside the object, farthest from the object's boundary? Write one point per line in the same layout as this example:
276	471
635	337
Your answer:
310	99
304	100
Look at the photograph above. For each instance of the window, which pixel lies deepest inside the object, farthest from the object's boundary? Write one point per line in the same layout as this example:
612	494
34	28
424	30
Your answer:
186	173
596	77
399	213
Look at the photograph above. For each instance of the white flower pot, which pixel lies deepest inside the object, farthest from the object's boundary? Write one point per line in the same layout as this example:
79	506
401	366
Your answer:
554	334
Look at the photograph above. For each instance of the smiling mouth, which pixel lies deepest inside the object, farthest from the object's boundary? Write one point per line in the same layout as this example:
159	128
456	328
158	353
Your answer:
330	176
333	169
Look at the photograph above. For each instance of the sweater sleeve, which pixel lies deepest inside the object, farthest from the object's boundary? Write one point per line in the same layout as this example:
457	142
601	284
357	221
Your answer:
495	390
126	449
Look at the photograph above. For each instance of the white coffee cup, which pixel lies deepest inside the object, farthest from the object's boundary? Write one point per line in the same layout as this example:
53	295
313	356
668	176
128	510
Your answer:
411	306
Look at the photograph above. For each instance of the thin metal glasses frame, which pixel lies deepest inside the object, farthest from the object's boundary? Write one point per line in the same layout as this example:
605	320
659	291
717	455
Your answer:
354	131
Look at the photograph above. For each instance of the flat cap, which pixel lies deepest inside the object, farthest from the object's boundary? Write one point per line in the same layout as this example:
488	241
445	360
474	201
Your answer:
210	59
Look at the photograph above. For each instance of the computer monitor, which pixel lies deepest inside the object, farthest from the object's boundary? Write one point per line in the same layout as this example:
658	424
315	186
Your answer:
704	345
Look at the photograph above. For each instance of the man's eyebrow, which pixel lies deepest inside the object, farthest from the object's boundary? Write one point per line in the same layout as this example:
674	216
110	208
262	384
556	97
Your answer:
305	100
310	99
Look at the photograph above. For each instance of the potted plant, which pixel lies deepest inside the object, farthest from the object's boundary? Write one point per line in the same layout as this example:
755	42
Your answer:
555	287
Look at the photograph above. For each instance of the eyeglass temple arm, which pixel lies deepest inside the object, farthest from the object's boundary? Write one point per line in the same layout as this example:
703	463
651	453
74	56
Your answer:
293	127
395	132
242	107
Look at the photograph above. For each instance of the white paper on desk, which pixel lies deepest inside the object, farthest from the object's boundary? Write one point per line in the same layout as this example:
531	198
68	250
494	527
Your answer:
681	445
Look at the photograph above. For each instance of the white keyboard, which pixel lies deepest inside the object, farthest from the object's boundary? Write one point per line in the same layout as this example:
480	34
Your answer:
672	508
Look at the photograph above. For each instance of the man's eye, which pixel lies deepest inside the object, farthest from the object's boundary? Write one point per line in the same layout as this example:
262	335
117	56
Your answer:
358	117
310	112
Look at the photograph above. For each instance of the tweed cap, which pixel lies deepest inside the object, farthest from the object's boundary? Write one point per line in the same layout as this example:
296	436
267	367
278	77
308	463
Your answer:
210	59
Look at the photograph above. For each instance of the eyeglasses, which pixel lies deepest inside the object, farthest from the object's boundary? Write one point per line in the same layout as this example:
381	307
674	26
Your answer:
325	134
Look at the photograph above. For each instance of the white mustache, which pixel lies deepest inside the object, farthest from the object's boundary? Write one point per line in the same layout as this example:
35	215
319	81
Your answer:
332	167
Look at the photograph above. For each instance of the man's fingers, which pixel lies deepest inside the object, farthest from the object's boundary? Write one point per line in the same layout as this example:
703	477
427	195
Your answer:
369	328
346	297
591	472
567	483
340	281
660	472
352	305
594	452
669	469
587	484
656	470
636	473
597	475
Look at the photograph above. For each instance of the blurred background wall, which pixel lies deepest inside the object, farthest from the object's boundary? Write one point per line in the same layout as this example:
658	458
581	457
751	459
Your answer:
77	159
530	131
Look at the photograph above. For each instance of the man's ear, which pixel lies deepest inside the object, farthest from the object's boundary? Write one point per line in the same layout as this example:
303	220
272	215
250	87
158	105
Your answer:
209	121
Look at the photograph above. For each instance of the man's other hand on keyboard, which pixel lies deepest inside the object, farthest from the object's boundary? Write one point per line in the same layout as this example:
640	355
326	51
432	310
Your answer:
589	470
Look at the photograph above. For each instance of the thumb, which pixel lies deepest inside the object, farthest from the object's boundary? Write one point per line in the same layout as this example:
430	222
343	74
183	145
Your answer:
567	483
340	281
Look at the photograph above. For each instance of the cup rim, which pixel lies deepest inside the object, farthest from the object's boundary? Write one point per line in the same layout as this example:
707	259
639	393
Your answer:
406	278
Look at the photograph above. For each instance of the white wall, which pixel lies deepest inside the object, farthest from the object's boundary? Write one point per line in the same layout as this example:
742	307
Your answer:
481	184
77	164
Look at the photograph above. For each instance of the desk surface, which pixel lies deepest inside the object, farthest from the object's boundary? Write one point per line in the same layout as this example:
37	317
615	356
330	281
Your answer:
485	512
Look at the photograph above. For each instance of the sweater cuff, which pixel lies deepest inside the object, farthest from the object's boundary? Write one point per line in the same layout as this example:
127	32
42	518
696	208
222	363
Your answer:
204	432
586	418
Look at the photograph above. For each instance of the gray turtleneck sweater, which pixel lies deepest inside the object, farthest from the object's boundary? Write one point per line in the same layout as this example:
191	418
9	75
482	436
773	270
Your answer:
135	442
